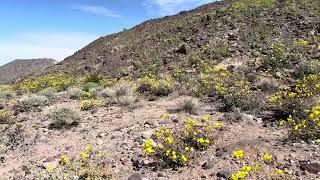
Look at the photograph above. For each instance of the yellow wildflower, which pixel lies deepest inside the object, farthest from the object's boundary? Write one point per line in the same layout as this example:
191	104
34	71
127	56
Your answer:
64	159
267	157
238	154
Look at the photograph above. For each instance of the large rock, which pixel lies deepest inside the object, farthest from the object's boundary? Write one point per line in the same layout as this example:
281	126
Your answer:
184	49
135	176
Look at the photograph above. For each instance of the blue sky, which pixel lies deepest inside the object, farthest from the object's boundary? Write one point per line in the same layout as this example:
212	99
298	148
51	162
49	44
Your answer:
57	28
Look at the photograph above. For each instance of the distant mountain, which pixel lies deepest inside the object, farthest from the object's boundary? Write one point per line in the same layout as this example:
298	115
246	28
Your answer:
20	68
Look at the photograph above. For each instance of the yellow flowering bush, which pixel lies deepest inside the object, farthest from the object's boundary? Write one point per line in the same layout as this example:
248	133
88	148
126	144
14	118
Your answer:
177	146
232	88
299	106
88	104
60	82
152	86
5	117
307	128
256	165
83	167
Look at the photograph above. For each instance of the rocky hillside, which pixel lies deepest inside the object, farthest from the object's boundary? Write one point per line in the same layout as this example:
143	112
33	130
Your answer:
238	30
20	68
228	91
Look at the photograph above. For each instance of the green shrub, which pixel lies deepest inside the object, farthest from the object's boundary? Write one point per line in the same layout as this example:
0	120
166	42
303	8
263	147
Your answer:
152	86
64	118
75	93
89	85
279	57
221	51
31	103
48	92
177	146
307	67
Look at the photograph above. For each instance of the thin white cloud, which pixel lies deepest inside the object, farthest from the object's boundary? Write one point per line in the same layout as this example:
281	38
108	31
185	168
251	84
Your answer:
170	7
96	10
43	44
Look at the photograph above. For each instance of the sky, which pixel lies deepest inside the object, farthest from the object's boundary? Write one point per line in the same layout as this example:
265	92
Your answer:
58	28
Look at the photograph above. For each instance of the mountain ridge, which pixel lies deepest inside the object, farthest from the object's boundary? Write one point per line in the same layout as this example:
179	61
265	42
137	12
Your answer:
21	68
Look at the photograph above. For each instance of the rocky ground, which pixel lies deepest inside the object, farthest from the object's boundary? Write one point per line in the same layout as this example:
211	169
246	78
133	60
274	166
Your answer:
119	132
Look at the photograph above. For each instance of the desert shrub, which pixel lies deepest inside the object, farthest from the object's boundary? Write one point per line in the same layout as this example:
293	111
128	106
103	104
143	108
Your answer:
256	164
307	67
89	85
232	88
75	93
5	117
60	82
107	93
307	128
94	78
153	86
121	90
278	57
221	51
88	104
64	118
31	103
170	147
96	91
188	105
127	101
6	92
48	92
294	100
87	95
298	107
85	166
